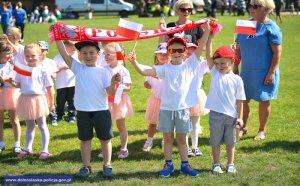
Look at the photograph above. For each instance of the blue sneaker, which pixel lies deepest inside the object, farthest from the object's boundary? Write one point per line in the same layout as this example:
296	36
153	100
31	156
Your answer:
84	172
72	119
107	172
59	118
187	169
167	170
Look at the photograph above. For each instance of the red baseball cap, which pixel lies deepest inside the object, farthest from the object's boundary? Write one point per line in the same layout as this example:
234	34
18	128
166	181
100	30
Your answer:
226	52
177	39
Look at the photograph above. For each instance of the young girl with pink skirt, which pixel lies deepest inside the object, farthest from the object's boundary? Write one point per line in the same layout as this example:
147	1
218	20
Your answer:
32	104
8	96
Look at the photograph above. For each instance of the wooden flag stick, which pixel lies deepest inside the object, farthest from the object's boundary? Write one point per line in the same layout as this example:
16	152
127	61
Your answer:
134	46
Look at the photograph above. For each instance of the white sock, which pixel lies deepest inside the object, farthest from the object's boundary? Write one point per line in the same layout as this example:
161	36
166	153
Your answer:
17	144
45	135
30	132
149	139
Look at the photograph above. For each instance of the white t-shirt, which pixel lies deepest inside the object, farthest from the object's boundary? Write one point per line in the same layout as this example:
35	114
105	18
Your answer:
180	91
90	87
50	66
19	57
124	73
101	60
37	83
224	91
202	69
157	85
64	78
6	70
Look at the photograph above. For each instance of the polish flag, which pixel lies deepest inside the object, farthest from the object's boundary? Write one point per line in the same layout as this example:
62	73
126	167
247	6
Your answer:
120	56
129	29
22	69
245	27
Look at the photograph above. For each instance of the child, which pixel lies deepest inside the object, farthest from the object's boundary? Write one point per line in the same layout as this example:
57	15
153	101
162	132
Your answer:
197	110
119	111
32	104
178	95
50	67
14	36
91	102
224	100
65	84
156	85
8	96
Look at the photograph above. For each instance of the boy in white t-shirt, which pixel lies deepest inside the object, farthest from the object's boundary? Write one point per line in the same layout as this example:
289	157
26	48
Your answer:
179	94
65	84
51	69
225	102
93	85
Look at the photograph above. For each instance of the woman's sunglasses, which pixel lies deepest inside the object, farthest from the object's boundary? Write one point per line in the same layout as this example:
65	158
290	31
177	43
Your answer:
183	10
255	6
179	50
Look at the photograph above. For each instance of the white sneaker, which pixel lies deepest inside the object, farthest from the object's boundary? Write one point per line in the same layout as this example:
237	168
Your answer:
197	152
147	146
100	155
17	150
231	169
123	154
217	169
190	153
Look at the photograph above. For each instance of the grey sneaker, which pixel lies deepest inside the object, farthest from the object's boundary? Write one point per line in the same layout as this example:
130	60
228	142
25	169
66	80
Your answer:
197	152
107	172
84	172
217	169
190	153
231	169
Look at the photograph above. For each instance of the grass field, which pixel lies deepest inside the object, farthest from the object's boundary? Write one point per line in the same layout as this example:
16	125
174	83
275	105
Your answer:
274	161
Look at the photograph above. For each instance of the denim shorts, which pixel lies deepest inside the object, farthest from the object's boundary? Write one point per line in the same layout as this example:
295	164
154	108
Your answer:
100	120
222	129
178	120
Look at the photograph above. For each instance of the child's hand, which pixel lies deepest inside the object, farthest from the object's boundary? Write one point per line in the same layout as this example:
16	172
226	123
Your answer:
239	123
207	26
5	36
162	23
147	85
132	57
116	78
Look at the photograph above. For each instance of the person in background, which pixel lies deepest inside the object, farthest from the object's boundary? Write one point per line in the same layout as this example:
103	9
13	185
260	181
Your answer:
6	17
20	16
260	54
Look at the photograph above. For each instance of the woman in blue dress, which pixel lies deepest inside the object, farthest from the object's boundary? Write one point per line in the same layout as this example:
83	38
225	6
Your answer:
260	55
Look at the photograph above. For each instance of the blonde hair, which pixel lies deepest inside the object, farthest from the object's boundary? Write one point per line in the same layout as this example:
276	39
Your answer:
5	47
33	46
181	2
111	45
19	4
268	4
16	31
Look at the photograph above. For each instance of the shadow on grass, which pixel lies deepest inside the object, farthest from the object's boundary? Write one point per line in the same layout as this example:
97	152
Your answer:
292	146
64	136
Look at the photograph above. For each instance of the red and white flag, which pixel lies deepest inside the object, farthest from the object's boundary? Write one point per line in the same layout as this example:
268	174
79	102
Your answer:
22	69
245	27
120	56
129	29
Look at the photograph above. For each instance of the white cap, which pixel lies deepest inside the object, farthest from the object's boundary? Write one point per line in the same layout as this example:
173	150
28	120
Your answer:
161	48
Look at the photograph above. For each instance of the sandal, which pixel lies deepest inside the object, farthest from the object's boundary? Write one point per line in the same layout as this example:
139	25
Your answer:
44	155
243	132
24	153
260	135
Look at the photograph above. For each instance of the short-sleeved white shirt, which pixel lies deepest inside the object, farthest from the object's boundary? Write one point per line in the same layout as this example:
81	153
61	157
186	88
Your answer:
90	87
224	91
50	66
124	73
180	91
37	83
157	85
64	78
19	57
6	70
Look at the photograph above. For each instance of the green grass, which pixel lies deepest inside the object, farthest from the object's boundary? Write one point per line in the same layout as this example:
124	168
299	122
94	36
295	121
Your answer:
274	161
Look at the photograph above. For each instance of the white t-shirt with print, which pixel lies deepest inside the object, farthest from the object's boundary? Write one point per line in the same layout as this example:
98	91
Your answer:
224	91
6	71
90	87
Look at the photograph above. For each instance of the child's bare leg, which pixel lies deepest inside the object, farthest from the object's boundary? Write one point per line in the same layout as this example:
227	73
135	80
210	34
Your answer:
230	154
107	151
216	154
182	146
85	150
1	125
168	143
14	120
151	130
123	133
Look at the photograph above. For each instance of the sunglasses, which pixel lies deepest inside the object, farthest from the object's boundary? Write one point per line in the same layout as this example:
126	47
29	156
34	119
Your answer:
255	6
179	50
183	10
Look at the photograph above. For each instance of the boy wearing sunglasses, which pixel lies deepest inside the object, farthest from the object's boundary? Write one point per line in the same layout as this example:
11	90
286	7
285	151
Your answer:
179	94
